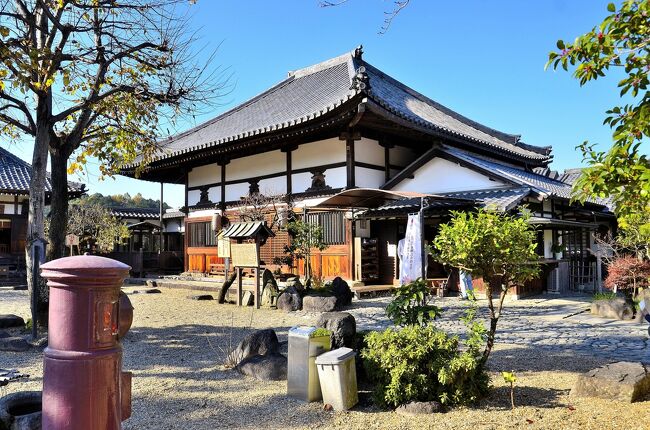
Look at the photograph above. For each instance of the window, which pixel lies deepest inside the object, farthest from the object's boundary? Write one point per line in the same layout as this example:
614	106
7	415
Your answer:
333	225
201	234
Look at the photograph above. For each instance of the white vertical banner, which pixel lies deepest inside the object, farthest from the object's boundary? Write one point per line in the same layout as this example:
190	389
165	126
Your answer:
410	251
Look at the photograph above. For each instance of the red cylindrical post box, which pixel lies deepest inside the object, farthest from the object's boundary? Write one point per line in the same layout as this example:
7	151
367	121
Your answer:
83	384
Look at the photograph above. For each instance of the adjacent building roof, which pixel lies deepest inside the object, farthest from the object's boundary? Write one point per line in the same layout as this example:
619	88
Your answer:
144	213
248	230
501	199
341	83
16	174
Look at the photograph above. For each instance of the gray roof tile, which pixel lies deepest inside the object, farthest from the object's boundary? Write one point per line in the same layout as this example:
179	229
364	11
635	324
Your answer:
15	175
501	199
309	93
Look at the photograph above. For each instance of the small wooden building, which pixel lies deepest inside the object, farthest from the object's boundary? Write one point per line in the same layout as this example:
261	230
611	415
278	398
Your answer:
344	124
15	175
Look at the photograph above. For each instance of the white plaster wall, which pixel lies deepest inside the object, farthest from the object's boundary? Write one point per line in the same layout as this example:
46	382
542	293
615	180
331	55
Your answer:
266	163
312	154
203	213
273	186
548	244
208	174
335	178
401	156
440	175
368	178
368	151
172	226
193	197
236	191
301	181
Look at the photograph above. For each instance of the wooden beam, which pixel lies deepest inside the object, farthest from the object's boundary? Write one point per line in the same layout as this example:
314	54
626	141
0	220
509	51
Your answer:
386	163
349	157
222	202
289	169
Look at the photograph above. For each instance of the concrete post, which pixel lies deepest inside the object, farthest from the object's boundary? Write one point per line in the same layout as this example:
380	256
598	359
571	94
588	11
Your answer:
83	383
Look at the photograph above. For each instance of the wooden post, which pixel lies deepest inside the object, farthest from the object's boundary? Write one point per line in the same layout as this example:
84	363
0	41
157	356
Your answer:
160	218
423	253
257	274
239	286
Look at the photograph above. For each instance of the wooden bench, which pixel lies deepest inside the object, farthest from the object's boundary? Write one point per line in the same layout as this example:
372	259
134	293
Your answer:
438	286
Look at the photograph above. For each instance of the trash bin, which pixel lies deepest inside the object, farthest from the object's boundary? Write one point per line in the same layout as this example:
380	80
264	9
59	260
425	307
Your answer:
338	378
302	375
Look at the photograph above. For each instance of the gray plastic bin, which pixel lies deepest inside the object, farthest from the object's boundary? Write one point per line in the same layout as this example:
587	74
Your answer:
338	378
302	375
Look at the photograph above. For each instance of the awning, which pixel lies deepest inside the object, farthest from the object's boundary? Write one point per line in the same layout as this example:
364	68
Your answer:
368	198
144	226
247	230
561	223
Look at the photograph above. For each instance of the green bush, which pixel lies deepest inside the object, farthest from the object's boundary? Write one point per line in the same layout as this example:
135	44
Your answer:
607	295
422	363
410	305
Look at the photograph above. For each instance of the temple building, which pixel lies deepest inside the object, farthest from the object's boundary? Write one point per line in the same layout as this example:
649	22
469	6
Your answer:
356	151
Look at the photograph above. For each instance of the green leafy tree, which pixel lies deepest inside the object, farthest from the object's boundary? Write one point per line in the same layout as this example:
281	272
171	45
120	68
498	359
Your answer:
620	43
305	237
92	78
410	305
497	247
94	225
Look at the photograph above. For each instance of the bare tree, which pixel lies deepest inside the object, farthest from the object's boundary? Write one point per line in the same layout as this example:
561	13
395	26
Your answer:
94	78
257	206
389	16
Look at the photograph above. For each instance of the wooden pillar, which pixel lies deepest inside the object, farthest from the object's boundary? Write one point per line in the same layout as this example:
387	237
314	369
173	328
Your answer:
240	286
386	163
349	162
160	219
289	173
222	203
257	274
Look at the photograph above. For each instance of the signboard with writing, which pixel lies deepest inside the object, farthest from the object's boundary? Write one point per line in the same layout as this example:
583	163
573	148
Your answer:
244	255
223	246
71	240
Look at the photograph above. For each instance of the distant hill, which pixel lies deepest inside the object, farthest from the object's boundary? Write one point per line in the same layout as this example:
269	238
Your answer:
124	201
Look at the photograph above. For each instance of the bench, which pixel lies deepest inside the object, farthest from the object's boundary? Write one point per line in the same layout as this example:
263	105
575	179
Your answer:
372	290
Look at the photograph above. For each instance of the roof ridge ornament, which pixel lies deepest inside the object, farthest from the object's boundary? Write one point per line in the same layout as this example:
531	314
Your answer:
358	52
361	80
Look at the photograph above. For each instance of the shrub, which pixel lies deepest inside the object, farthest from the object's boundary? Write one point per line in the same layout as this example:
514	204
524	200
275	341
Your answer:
608	295
422	363
410	305
628	273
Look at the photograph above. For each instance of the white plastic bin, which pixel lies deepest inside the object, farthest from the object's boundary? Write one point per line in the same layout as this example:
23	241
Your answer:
338	378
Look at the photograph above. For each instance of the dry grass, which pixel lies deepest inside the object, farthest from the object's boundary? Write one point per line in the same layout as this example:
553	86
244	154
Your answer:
176	346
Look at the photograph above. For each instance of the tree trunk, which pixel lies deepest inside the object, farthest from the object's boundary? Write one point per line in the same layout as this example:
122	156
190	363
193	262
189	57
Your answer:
494	319
58	204
228	280
36	225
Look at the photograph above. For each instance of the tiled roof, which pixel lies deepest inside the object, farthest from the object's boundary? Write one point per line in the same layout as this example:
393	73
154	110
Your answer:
413	205
309	93
501	199
15	175
135	213
570	176
173	214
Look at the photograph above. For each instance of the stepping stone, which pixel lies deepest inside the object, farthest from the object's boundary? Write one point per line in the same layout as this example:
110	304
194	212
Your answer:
14	344
623	381
11	320
201	297
4	334
146	291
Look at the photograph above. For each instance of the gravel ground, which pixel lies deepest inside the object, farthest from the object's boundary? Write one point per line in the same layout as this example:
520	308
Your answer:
176	345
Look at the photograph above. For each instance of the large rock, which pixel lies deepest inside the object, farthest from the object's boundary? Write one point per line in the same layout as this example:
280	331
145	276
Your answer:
343	327
420	408
11	320
295	283
28	403
14	344
319	303
290	300
623	381
4	334
260	342
342	291
270	295
272	367
615	308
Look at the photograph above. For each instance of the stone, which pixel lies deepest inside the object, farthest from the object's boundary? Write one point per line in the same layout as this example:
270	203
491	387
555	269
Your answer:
269	295
146	291
271	367
14	344
260	342
247	298
615	308
21	411
623	381
201	297
4	334
343	327
342	291
295	283
11	320
319	303
419	408
290	300
267	277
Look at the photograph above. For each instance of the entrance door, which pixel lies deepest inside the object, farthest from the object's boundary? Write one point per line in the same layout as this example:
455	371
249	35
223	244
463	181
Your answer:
386	234
5	236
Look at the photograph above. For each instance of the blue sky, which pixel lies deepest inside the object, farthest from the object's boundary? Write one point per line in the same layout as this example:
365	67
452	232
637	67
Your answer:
484	59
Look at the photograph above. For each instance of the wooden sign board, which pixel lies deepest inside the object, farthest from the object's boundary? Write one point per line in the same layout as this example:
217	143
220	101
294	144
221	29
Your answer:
223	246
71	240
244	255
